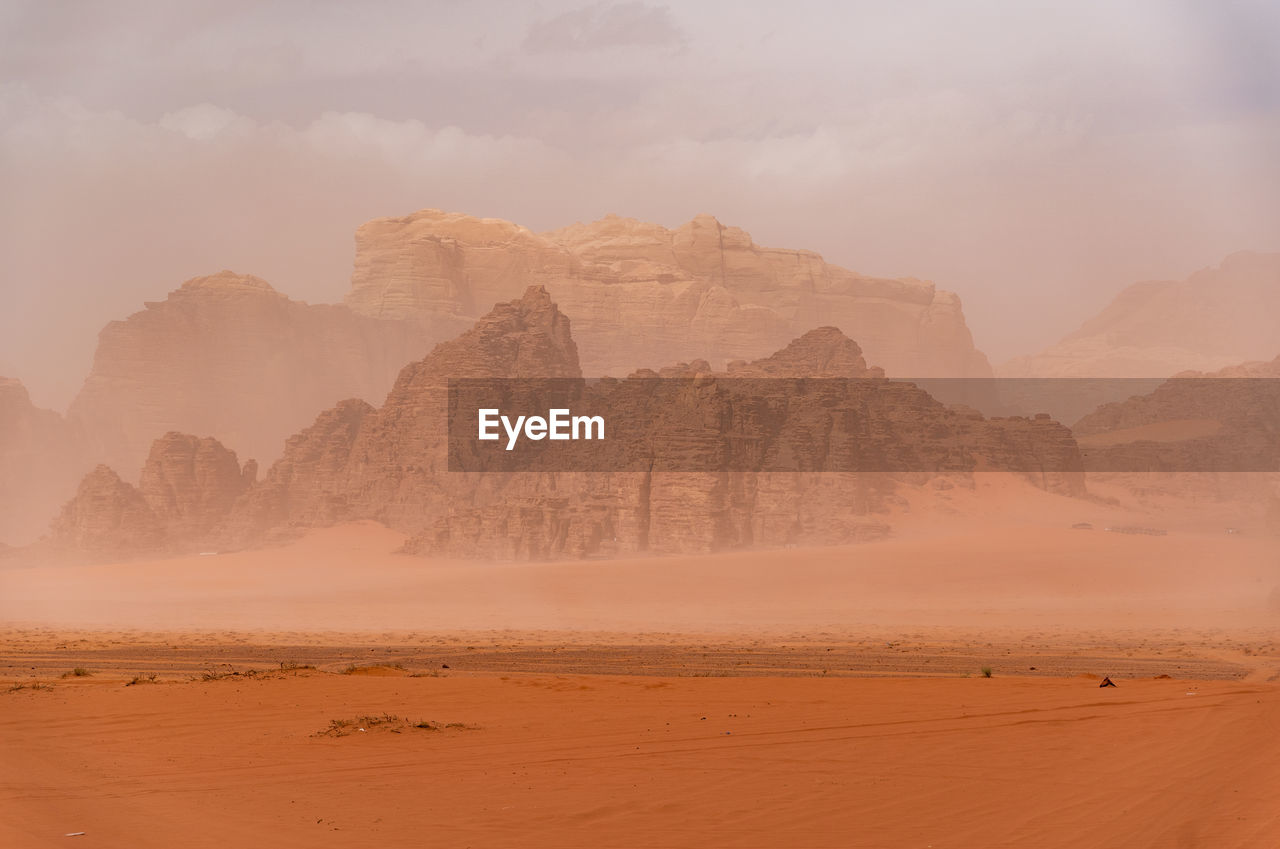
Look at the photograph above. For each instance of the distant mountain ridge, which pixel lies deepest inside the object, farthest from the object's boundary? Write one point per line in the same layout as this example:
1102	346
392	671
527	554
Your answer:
390	464
1215	318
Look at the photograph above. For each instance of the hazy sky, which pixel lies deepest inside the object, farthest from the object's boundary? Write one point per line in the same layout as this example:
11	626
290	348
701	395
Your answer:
1033	157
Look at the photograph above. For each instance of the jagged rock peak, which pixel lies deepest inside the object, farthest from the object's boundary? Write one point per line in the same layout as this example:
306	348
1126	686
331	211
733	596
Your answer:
192	481
187	488
527	337
822	352
107	516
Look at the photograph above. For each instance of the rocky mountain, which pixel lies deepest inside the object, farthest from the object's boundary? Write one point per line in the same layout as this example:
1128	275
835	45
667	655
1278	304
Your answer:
1223	421
1216	317
41	458
819	476
639	292
391	463
187	488
229	355
107	517
1198	437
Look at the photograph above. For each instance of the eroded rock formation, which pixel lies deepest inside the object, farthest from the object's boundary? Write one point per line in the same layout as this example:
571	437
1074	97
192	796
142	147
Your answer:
390	464
108	516
230	356
640	293
1198	437
1223	421
187	488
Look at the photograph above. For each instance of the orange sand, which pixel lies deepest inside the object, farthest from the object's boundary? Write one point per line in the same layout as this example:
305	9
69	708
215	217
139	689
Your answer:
348	579
1037	756
601	761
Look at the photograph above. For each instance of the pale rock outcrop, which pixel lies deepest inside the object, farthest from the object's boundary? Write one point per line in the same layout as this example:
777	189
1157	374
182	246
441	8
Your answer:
638	292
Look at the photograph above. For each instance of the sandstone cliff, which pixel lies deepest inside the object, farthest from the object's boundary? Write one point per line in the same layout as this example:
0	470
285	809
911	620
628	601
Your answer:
229	355
1198	436
41	458
1220	421
640	293
108	517
390	464
191	483
1216	317
187	488
771	465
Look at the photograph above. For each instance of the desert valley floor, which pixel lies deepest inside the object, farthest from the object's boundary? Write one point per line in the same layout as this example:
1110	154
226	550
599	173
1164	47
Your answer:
330	692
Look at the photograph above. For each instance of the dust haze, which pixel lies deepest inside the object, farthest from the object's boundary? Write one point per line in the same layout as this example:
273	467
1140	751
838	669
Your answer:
1035	162
1004	569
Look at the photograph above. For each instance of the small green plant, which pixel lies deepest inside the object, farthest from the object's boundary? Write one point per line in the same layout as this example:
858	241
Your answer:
78	672
986	672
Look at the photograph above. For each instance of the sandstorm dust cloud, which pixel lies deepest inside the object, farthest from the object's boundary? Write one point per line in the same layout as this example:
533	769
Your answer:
1035	161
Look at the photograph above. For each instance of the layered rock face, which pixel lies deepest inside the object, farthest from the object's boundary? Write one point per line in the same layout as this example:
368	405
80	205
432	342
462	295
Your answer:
41	458
191	483
1220	421
187	489
108	516
641	293
390	464
229	355
1214	318
1205	436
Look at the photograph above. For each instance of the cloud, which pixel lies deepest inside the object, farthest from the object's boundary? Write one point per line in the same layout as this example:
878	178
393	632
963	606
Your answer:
603	26
1034	161
205	122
